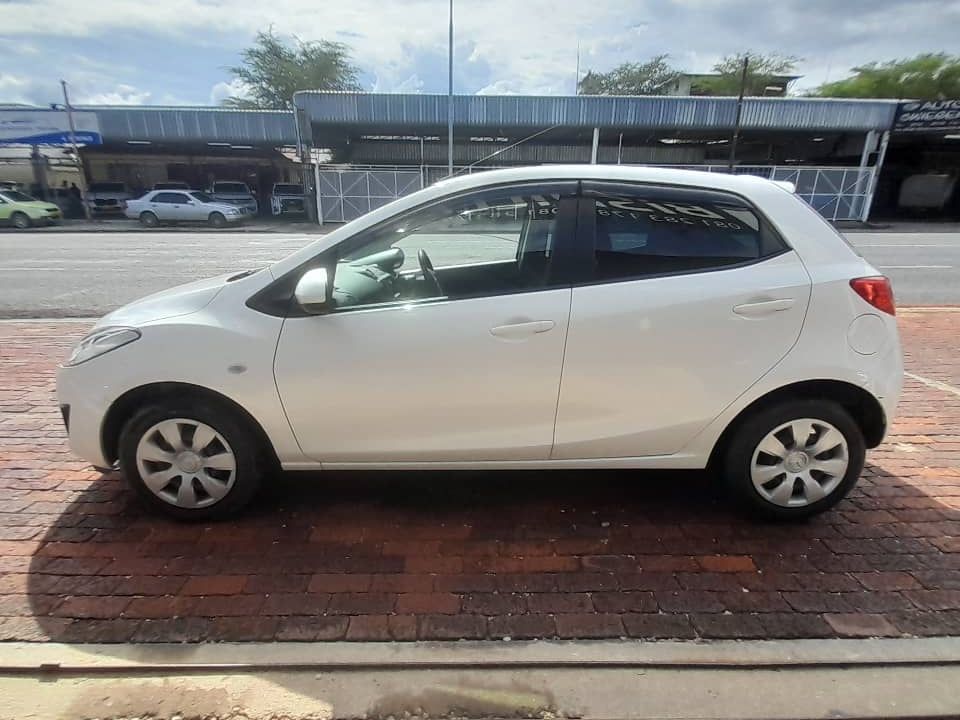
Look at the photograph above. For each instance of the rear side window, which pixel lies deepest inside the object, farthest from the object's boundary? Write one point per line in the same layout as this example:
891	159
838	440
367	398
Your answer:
642	231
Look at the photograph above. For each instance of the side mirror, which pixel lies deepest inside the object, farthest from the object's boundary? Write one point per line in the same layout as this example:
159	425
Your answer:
311	290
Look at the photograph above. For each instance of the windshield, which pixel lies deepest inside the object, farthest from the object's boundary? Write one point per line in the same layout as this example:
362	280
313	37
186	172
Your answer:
288	189
230	187
108	187
201	196
16	196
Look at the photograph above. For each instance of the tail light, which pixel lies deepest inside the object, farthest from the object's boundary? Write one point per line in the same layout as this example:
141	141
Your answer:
876	291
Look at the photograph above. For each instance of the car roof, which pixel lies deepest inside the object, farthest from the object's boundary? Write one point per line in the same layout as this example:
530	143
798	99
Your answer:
629	173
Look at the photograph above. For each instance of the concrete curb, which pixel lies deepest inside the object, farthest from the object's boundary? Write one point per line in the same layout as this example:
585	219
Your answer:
52	657
602	680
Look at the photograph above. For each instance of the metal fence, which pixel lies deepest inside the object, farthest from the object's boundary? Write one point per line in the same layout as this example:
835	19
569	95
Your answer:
347	192
837	193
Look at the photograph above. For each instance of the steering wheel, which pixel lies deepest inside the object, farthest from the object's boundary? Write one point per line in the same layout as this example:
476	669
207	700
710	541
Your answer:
429	274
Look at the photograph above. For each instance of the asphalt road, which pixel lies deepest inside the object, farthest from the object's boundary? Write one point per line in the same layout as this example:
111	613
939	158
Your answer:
89	274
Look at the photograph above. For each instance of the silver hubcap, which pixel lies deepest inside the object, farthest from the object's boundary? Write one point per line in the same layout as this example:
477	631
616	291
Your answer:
799	463
186	463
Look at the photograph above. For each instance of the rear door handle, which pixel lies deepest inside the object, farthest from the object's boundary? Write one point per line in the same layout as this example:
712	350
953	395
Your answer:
763	307
517	331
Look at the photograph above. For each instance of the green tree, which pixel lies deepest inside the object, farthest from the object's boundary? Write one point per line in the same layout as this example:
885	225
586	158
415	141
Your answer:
762	71
647	78
929	76
274	69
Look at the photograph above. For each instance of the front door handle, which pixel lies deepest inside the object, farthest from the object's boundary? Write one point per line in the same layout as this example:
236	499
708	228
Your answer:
520	330
763	307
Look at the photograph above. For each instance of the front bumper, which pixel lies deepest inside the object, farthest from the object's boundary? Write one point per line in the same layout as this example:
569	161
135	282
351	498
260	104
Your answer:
83	409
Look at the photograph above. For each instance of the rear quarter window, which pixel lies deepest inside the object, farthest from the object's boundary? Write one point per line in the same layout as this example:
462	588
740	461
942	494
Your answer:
642	231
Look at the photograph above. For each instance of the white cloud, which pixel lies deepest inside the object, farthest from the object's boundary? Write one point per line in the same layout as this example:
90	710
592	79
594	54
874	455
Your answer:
526	46
14	89
412	84
120	95
223	90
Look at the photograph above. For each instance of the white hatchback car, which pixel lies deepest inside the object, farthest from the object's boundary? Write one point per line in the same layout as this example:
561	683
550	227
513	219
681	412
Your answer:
543	317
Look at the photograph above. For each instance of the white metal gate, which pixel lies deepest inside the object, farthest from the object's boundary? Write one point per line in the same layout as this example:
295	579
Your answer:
837	193
346	194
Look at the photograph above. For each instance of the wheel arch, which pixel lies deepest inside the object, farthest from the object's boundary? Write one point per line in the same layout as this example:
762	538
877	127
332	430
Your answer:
127	404
863	407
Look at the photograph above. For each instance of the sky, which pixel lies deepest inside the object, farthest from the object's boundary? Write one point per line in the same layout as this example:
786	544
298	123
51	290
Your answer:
176	52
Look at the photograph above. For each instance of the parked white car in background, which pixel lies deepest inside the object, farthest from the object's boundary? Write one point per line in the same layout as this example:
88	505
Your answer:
236	194
545	317
167	206
287	199
107	198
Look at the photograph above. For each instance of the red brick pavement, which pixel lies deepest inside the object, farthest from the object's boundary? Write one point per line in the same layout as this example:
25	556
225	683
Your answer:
476	555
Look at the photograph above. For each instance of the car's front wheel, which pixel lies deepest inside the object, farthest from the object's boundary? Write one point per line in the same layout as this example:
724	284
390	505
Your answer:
795	459
217	220
20	220
149	219
192	459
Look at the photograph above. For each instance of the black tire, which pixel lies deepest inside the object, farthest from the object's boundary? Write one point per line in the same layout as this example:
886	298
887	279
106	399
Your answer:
246	444
217	220
149	219
754	428
20	220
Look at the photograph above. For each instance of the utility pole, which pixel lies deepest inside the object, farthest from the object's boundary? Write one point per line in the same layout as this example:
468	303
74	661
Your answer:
576	82
736	122
76	151
450	99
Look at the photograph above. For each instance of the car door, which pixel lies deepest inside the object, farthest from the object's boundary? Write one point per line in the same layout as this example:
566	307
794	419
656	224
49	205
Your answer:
195	210
686	299
161	204
467	370
5	209
178	206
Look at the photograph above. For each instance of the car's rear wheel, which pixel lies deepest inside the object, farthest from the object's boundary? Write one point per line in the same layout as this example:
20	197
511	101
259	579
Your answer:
20	220
217	220
192	459
149	219
795	459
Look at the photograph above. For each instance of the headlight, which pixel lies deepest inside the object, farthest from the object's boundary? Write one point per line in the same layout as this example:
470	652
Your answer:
101	341
233	211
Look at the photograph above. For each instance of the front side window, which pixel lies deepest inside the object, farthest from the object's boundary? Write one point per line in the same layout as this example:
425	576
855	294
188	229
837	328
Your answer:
201	196
486	243
646	231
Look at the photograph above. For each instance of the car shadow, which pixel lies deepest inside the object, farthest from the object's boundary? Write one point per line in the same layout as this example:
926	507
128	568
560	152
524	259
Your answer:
107	570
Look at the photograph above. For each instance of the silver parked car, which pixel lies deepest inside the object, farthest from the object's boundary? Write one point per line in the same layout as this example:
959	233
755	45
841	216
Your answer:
237	194
161	206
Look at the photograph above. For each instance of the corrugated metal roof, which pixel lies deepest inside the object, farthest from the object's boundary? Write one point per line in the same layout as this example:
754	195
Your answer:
199	124
654	112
